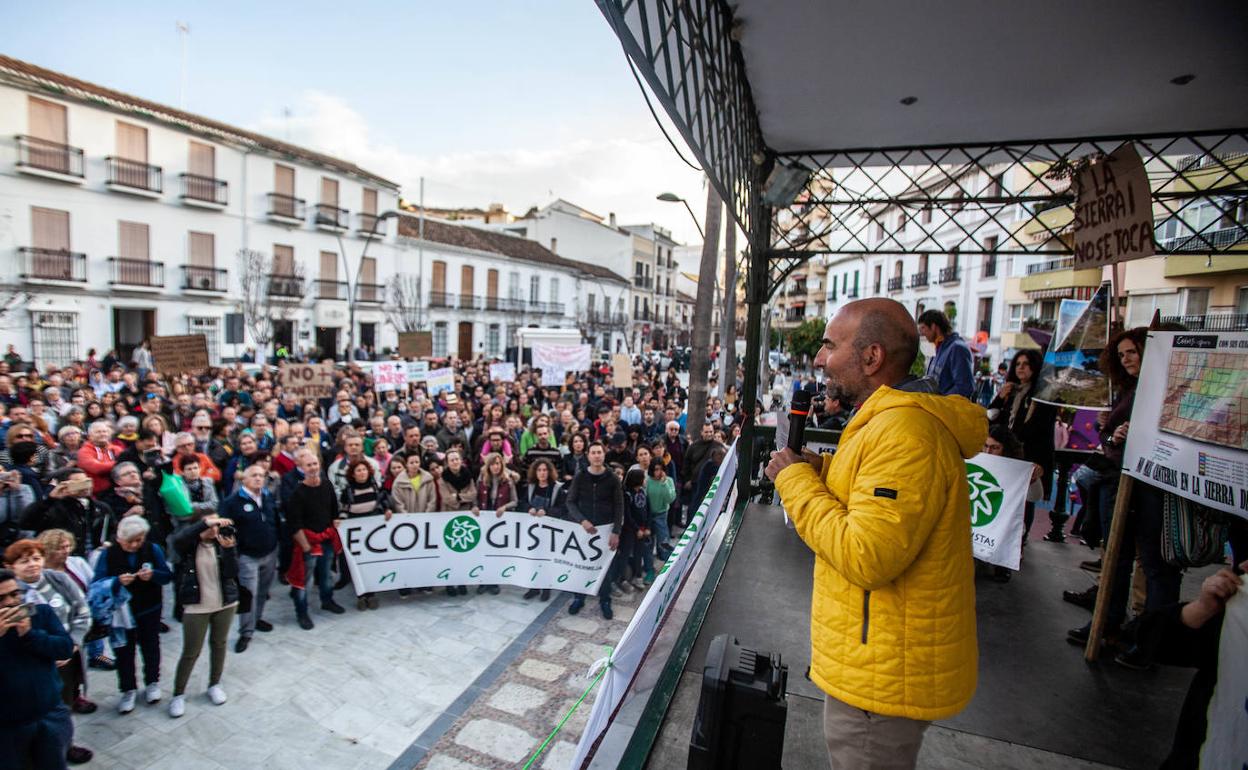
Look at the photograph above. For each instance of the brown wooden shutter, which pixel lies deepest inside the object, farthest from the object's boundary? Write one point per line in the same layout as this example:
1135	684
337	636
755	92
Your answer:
201	160
131	142
370	201
329	191
201	250
466	280
439	276
283	180
283	259
491	289
49	228
133	241
47	120
368	270
329	266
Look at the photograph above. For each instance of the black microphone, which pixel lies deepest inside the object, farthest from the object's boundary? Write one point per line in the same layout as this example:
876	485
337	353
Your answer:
798	412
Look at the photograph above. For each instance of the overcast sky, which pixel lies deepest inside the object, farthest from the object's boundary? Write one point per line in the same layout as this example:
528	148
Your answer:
514	102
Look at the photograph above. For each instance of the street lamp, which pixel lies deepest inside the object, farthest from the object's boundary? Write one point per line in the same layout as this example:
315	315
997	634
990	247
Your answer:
353	285
668	197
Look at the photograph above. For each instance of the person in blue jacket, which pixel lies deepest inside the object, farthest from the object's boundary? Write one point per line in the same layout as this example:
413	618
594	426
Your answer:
953	366
35	728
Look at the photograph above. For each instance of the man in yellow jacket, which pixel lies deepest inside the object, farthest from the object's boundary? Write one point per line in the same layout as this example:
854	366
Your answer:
888	517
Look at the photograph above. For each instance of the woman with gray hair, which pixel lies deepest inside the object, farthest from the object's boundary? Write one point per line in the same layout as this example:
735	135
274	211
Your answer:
65	454
138	567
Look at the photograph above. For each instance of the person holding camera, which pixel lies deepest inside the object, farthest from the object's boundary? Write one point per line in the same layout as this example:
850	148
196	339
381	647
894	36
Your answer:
69	506
35	728
208	588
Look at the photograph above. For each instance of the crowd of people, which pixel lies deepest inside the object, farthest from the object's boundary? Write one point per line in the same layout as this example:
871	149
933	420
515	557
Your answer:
119	481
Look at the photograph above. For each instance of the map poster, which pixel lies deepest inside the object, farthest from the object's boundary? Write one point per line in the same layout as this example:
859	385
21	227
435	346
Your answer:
1071	375
1189	425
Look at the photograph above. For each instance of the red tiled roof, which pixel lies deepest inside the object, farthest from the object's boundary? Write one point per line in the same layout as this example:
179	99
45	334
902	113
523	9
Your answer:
492	242
66	86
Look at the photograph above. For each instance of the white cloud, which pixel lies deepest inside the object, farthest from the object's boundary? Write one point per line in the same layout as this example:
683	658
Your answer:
604	174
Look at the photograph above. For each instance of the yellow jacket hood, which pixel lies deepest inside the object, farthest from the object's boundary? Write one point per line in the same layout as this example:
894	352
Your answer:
966	422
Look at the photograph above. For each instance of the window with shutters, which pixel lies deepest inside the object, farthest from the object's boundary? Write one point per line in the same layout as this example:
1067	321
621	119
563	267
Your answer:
513	286
283	259
438	297
55	337
439	339
211	329
554	291
49	229
201	250
133	241
49	256
328	276
367	289
131	142
329	191
369	204
48	128
493	340
535	288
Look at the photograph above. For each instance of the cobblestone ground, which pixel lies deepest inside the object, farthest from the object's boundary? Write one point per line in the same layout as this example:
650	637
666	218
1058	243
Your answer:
515	713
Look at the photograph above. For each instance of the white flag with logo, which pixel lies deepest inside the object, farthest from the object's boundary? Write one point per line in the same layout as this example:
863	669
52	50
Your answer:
998	488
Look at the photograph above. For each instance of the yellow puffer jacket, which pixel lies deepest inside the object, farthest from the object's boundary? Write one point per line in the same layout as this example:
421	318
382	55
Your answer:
893	613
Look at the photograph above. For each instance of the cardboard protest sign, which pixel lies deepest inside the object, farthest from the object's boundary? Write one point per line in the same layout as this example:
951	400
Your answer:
415	344
998	487
417	371
419	550
1189	423
1072	375
441	380
305	381
568	358
622	370
503	372
389	375
1113	210
181	353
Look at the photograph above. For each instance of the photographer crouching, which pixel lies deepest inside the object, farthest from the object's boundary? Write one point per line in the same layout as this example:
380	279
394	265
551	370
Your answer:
888	517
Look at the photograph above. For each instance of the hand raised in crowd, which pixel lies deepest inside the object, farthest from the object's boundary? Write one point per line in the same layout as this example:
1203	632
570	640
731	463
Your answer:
59	491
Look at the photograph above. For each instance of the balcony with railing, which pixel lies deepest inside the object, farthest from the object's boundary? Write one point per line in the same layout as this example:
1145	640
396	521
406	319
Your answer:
204	191
49	159
1048	266
603	319
990	266
330	217
371	226
286	209
643	282
196	278
372	293
285	285
471	302
950	274
134	177
1220	238
330	289
52	265
136	273
1212	322
441	299
894	284
919	280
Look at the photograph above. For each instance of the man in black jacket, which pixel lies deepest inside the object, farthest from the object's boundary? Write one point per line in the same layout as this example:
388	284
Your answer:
254	514
35	729
596	498
89	521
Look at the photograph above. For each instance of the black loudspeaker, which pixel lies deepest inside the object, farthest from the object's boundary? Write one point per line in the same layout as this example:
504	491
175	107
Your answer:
742	712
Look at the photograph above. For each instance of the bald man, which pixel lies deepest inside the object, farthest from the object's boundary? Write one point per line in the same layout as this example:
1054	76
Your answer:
888	517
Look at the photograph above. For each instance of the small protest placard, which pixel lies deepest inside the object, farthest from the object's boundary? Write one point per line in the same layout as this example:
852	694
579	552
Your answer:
622	370
503	372
1113	211
305	381
389	375
440	380
181	353
417	371
415	344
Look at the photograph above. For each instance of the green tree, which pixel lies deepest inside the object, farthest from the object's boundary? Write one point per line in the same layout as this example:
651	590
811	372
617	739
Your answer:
806	339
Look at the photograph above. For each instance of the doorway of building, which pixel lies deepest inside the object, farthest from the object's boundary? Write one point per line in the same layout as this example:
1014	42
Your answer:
130	327
283	336
368	336
327	342
465	340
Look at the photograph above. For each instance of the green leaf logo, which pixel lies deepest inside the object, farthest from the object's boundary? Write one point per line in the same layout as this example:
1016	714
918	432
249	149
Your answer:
462	533
986	495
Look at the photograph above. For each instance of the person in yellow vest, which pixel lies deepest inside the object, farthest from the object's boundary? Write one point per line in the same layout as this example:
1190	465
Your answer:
888	516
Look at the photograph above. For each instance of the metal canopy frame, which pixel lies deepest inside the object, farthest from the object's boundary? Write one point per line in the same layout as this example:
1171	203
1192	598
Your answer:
953	196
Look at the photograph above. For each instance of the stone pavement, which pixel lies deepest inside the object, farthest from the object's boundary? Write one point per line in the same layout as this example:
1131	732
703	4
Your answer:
353	692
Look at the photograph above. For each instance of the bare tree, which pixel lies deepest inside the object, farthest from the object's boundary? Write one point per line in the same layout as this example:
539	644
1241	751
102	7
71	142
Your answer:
402	306
700	356
266	297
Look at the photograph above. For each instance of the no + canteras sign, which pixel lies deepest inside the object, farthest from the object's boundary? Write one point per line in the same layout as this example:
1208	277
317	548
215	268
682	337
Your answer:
418	550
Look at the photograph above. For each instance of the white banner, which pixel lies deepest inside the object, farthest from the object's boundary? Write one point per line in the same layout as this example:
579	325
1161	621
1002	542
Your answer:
1189	424
1226	744
418	371
998	488
568	358
554	378
648	619
389	375
440	380
418	550
503	372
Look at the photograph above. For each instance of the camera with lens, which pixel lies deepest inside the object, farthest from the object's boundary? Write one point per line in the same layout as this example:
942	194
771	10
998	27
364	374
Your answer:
227	530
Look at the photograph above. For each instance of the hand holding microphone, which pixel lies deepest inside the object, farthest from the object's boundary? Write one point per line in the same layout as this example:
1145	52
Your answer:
793	453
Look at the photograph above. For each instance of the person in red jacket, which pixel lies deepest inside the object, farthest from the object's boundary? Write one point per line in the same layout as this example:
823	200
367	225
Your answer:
98	456
184	449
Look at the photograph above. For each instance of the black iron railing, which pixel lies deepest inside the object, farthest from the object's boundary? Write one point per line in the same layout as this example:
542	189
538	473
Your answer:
204	189
53	264
48	156
441	299
283	285
204	278
369	292
643	282
950	274
327	289
286	206
125	271
470	302
894	284
134	174
990	266
1063	263
919	280
1215	322
371	225
331	216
